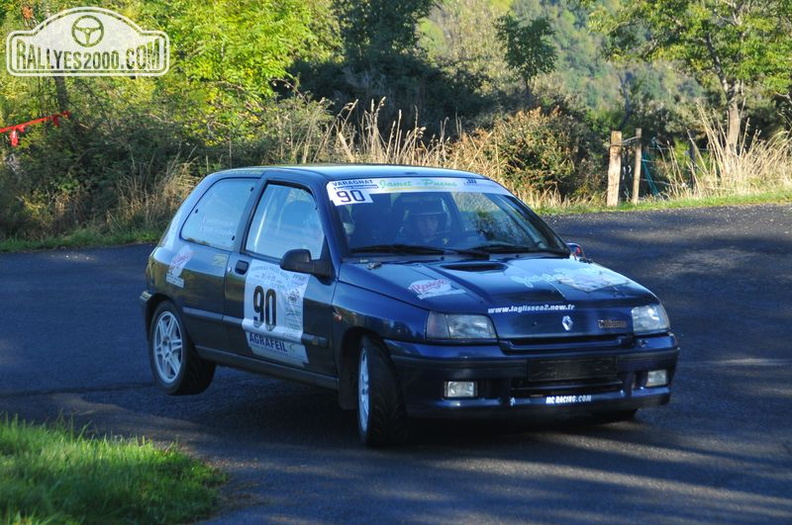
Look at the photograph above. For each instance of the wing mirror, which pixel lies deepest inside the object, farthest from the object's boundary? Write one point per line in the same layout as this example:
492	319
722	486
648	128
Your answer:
300	260
577	252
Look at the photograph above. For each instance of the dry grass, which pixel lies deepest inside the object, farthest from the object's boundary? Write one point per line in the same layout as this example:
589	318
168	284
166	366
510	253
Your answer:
759	165
142	209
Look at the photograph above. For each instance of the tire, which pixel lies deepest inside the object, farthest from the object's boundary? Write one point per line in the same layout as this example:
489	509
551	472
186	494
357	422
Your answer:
176	366
382	419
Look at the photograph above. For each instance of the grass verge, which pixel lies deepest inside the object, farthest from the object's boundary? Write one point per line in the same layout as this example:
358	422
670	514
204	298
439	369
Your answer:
60	475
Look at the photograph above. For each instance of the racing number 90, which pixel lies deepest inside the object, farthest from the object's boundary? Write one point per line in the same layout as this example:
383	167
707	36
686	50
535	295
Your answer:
350	196
264	307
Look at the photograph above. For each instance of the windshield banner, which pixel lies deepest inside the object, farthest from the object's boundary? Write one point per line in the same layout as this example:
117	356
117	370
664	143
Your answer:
358	191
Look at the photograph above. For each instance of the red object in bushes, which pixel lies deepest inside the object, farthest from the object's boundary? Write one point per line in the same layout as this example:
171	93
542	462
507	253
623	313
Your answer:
16	129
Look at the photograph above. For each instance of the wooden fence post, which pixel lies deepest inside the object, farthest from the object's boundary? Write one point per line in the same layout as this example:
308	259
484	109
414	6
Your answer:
637	171
614	169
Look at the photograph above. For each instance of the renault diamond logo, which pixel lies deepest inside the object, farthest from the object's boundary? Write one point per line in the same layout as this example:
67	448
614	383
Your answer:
567	323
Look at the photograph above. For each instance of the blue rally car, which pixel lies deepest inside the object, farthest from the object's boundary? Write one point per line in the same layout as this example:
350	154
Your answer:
411	292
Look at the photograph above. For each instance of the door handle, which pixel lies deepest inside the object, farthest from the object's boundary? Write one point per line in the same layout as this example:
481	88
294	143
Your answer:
241	267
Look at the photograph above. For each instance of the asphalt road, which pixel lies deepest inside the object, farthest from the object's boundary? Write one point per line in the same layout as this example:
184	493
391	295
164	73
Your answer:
72	343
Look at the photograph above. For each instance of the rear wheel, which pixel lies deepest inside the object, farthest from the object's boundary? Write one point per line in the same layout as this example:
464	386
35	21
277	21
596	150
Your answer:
176	366
381	416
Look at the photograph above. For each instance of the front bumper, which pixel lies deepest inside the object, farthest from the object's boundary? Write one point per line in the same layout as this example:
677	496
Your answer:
541	383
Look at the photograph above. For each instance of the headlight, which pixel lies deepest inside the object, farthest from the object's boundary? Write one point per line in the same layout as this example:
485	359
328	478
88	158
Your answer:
459	326
649	318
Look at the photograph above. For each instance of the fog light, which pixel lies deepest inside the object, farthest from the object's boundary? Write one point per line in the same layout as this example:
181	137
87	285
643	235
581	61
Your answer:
657	378
456	389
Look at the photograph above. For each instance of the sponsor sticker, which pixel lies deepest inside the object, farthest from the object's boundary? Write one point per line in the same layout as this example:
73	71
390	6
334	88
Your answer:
177	265
433	288
567	400
274	303
358	191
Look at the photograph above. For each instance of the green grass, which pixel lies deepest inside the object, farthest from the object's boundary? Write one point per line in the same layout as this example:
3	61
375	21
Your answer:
80	239
780	197
57	475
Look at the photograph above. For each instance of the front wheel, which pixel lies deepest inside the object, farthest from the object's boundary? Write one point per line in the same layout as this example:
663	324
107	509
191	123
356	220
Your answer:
176	366
382	419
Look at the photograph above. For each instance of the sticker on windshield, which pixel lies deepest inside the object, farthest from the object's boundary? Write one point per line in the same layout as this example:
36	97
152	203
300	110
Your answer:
358	191
273	322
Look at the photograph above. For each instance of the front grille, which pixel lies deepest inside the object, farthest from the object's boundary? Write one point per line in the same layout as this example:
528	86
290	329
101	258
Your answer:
580	376
522	388
572	343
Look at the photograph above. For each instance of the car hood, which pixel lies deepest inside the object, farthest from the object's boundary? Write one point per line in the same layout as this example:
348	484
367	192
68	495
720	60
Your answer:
524	297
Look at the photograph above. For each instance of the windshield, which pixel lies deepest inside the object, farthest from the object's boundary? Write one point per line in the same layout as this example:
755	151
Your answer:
429	216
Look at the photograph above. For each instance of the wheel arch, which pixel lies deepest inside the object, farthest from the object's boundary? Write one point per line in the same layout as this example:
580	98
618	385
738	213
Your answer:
151	306
348	364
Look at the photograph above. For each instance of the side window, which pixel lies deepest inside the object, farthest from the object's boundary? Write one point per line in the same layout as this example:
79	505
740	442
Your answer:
286	218
215	218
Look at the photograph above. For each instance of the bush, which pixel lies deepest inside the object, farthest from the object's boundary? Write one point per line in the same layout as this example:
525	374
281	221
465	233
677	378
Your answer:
537	152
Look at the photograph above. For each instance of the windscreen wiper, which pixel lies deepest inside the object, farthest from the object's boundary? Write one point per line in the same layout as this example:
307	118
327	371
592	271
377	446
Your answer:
416	249
505	247
413	249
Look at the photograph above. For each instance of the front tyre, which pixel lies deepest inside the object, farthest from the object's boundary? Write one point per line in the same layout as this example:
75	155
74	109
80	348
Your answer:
176	366
381	416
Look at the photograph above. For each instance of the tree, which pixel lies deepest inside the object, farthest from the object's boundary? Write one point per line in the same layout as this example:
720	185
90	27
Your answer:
731	47
227	53
528	46
373	29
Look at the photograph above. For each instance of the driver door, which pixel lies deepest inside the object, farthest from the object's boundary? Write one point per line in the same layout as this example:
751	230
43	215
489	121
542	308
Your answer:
277	315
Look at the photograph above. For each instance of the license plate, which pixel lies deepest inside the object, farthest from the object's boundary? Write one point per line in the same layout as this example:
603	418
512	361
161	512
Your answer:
558	370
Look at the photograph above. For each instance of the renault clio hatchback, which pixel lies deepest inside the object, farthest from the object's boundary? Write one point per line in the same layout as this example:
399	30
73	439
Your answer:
409	292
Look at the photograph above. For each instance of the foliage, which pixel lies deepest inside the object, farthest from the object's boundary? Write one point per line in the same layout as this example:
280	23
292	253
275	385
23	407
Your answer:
379	29
528	49
536	152
730	47
460	39
227	53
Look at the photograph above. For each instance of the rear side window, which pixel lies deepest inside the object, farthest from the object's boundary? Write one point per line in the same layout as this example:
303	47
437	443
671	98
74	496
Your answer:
214	220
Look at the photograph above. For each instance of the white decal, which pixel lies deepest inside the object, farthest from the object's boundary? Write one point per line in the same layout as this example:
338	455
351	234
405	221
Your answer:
587	279
177	265
523	308
526	281
356	191
567	400
433	288
273	322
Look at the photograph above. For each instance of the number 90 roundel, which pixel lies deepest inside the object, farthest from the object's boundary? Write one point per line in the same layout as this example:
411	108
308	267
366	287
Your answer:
273	320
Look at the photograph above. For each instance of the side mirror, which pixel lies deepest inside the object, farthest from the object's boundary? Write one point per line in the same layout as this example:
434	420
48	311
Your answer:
577	252
300	260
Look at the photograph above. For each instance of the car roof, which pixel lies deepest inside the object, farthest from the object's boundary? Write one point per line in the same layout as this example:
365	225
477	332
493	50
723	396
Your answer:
331	172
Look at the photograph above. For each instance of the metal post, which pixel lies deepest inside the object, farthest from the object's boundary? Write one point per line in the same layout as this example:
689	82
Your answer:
637	171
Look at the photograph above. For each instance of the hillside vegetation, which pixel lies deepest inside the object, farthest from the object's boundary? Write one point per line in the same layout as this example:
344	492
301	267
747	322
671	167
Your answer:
526	92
